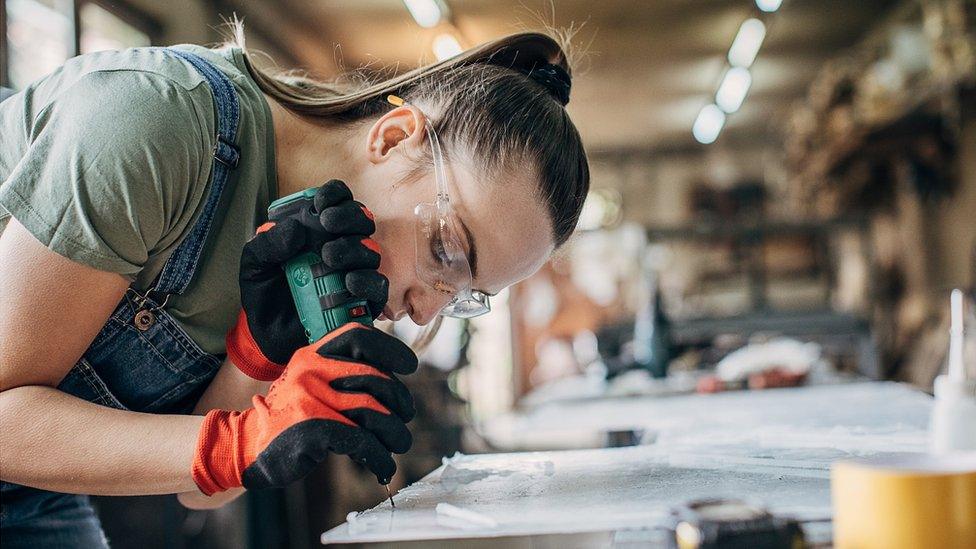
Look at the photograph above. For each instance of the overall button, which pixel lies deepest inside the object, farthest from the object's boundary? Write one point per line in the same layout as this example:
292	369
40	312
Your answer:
144	320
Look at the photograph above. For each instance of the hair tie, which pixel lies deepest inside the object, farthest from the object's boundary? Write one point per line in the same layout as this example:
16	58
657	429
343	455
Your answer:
554	78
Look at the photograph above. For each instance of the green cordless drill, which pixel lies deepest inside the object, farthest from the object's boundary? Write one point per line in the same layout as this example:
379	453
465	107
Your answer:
321	297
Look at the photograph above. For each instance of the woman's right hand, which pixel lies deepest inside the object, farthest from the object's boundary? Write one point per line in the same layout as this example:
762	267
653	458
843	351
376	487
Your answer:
268	330
339	395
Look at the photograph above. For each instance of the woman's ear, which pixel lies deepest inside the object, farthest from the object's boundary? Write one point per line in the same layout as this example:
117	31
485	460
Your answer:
402	127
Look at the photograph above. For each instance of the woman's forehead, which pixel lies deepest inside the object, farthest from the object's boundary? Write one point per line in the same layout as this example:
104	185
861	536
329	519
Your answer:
508	222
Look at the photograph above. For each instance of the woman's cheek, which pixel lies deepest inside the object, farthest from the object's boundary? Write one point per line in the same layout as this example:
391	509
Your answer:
395	235
394	263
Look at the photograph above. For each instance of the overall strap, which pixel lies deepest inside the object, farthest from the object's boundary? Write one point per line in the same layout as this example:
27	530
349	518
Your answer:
179	268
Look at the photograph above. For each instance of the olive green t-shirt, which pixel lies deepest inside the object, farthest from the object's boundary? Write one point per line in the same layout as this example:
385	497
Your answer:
107	162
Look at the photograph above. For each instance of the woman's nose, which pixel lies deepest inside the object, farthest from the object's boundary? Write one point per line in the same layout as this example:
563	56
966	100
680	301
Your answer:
429	305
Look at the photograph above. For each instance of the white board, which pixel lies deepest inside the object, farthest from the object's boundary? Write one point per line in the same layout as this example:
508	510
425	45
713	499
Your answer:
872	416
773	448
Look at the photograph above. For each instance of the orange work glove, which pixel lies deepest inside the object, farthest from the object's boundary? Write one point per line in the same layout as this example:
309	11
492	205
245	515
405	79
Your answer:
339	395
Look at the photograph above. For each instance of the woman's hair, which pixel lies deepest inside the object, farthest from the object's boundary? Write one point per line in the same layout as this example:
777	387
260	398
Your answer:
504	99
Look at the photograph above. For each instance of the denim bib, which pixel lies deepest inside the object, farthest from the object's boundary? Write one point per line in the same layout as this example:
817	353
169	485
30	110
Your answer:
141	360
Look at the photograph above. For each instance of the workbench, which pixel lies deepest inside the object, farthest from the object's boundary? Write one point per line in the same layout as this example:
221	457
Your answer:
855	416
771	447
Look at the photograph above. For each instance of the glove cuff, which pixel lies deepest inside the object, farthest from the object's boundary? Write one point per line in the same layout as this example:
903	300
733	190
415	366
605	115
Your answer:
245	353
216	461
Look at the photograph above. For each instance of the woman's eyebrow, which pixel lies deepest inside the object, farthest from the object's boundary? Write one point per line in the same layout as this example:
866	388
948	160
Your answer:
472	249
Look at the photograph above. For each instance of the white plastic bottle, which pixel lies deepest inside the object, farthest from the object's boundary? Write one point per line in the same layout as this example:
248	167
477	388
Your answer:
953	426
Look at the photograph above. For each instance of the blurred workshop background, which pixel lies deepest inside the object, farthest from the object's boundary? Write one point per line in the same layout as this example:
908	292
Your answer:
784	192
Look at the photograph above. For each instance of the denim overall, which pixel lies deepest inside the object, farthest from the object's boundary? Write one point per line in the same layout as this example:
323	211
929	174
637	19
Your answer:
141	360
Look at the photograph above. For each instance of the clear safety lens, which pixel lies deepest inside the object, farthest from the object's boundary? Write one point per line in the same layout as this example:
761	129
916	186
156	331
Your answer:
441	260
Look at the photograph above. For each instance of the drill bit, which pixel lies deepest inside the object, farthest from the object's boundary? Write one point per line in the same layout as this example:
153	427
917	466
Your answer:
390	494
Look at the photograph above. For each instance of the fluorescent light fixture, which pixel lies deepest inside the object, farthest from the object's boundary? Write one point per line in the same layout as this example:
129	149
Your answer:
708	124
768	6
427	13
445	45
733	89
747	42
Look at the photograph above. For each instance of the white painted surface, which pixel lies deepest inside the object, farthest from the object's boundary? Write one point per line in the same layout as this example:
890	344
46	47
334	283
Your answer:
771	447
852	417
587	491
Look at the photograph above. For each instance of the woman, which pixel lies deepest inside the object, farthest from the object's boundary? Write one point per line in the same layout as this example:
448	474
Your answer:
133	184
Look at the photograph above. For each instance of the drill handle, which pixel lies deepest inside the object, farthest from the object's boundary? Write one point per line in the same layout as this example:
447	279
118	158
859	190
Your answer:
302	209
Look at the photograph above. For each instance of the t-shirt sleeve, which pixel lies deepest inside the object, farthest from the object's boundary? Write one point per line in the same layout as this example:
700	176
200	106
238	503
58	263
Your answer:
114	169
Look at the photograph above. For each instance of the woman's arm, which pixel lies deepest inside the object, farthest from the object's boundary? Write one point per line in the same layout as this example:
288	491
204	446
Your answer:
50	310
55	441
229	390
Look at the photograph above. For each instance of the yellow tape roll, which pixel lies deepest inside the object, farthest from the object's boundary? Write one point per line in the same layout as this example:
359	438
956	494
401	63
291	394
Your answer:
907	502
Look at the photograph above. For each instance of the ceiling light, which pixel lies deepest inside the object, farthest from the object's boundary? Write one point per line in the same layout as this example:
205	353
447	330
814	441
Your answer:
769	6
427	13
747	42
445	45
708	124
732	92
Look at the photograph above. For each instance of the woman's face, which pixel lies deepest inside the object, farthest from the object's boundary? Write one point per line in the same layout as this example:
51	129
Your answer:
504	227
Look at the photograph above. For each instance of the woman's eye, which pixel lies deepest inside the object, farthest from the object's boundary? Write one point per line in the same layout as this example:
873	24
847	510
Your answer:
438	251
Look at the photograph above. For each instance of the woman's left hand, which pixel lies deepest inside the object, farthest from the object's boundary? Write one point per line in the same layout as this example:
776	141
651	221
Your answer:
340	395
268	330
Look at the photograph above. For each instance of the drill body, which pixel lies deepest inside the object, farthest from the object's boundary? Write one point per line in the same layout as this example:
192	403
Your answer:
321	298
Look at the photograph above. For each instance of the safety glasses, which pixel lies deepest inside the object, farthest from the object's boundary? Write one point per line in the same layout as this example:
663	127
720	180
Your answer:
442	262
